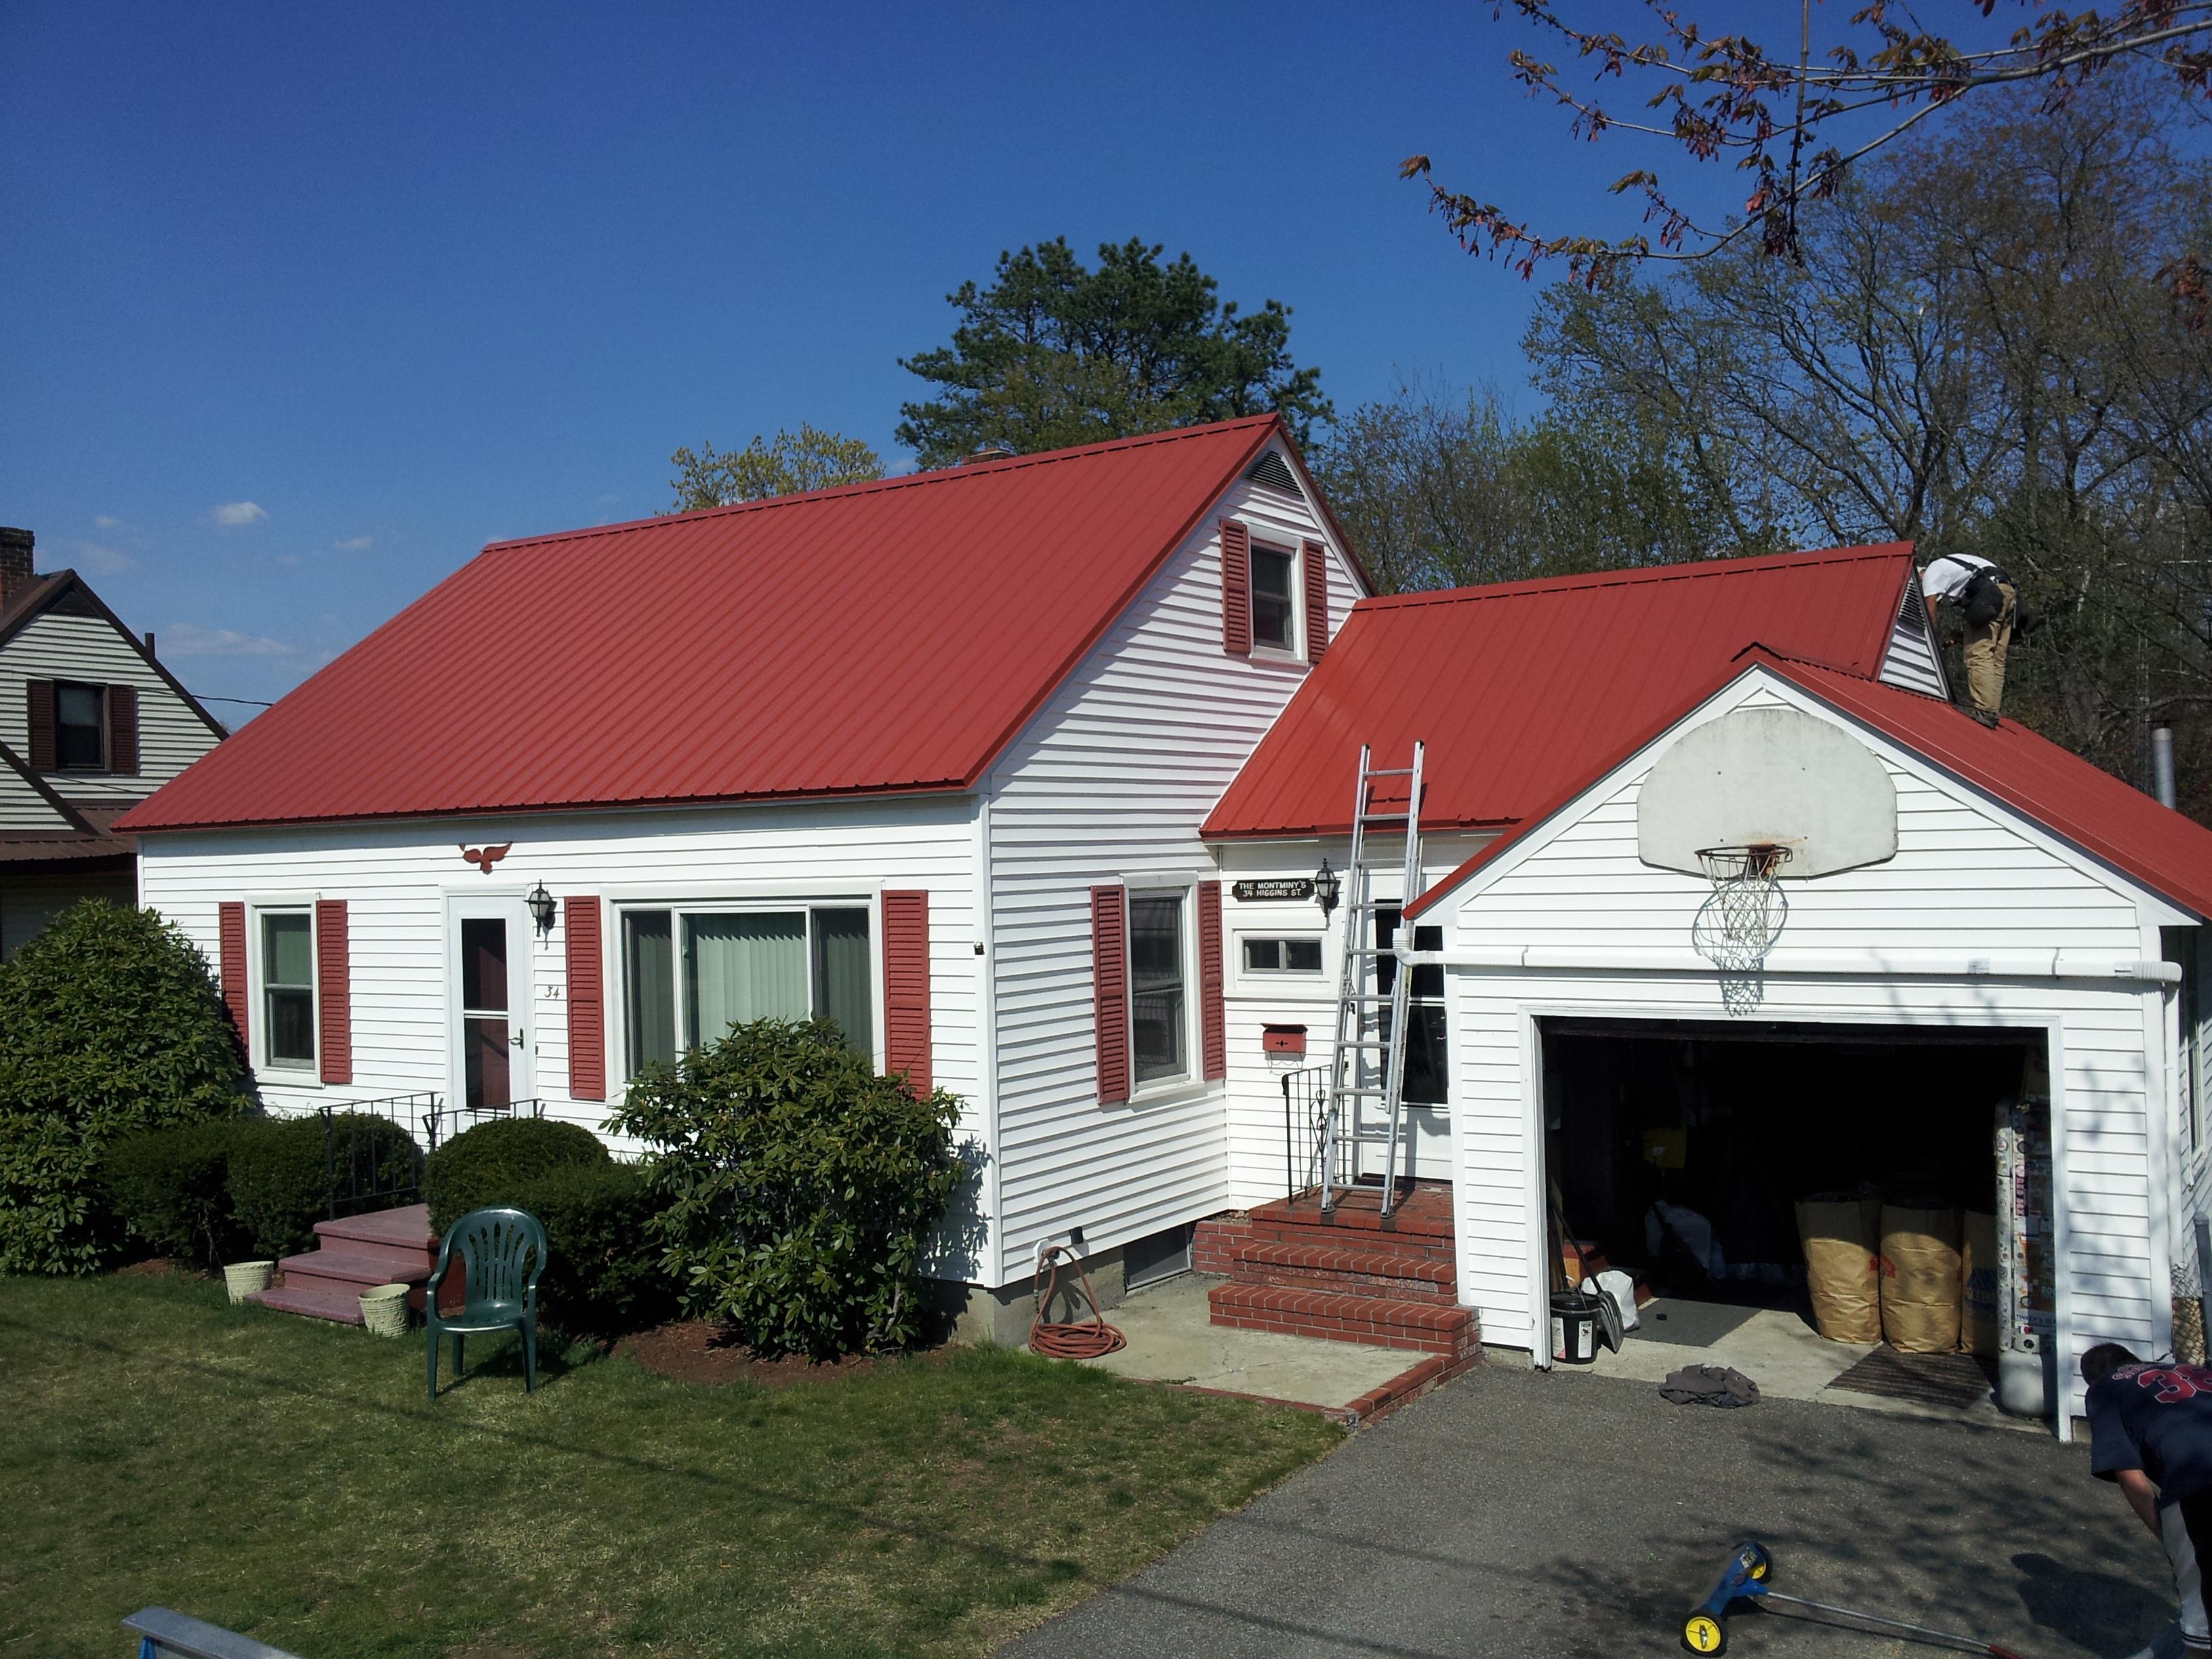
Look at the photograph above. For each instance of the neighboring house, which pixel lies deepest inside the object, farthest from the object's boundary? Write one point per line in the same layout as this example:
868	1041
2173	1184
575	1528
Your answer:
974	762
90	725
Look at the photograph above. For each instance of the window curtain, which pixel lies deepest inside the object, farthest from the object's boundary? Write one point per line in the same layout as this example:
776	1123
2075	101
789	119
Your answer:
741	968
842	970
651	983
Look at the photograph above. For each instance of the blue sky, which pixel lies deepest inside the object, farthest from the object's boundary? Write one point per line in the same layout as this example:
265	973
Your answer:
388	281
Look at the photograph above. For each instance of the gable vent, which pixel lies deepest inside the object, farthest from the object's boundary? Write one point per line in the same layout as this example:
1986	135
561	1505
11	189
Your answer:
1273	471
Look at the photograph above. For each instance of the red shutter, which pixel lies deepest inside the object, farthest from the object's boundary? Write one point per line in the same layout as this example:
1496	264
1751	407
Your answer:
230	936
906	987
123	730
39	696
1317	565
333	991
1109	983
1236	588
588	1006
1212	1017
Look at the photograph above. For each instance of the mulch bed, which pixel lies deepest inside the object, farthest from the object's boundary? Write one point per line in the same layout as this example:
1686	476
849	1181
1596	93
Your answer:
695	1351
1931	1379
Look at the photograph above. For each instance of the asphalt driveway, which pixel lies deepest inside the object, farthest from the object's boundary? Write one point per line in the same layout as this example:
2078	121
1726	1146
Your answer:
1513	1513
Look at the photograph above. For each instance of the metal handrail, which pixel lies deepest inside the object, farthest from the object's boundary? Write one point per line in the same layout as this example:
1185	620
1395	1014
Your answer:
1305	1094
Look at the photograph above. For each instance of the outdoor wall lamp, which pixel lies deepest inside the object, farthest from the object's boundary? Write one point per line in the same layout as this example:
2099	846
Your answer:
1326	886
541	909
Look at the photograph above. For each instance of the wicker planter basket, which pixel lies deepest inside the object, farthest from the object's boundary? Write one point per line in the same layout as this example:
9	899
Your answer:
244	1278
384	1310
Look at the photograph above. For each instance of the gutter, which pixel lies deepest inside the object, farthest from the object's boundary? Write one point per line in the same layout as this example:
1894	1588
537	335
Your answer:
1852	964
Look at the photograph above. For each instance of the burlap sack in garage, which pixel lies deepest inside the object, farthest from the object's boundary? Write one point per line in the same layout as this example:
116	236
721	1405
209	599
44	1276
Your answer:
1920	1280
1843	1266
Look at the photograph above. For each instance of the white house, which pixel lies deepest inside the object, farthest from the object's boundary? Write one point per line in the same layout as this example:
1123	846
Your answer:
91	723
1020	771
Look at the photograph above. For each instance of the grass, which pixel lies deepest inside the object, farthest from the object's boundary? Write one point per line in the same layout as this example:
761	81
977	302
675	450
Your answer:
288	1479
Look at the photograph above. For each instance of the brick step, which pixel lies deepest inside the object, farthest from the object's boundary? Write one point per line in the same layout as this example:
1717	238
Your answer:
313	1300
1425	1326
1320	1235
1351	1271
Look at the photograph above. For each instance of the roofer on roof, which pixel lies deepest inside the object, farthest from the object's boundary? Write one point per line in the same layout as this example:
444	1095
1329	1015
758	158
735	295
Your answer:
2150	1431
1983	607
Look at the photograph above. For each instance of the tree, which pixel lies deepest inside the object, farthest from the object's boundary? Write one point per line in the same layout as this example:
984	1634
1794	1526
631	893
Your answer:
1446	490
788	464
1054	354
1797	128
1978	348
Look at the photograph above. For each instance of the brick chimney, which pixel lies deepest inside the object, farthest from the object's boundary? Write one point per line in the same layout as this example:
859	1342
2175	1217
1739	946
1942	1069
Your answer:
15	562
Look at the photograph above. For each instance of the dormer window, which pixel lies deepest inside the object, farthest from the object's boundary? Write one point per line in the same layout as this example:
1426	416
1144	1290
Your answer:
80	727
1274	571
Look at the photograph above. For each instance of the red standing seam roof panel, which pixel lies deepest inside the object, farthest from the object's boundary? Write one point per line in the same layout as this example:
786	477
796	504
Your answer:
1516	687
878	638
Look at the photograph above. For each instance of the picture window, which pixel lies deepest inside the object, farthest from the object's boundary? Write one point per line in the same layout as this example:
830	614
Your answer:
690	976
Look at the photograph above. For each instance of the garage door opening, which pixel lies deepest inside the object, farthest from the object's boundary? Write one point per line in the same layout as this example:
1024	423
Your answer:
1678	1152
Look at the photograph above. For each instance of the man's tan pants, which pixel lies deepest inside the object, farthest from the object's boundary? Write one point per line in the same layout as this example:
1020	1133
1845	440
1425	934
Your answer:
1985	655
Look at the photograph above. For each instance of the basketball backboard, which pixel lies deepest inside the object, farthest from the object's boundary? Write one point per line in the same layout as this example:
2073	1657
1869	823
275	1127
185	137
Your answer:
1768	775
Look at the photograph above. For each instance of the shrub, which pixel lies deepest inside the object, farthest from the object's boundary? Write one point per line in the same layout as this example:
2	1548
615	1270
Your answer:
279	1180
603	1275
797	1187
494	1162
170	1187
110	1022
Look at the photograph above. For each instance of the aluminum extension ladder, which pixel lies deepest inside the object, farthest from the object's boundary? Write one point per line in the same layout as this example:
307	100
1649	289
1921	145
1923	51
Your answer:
1367	1065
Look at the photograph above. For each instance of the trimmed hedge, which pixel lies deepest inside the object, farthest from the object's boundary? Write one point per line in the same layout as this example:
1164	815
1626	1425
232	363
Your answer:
493	1162
110	1023
171	1188
797	1186
603	1275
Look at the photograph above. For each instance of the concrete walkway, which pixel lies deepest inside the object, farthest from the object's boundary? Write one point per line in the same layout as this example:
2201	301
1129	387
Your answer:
1515	1513
1170	1341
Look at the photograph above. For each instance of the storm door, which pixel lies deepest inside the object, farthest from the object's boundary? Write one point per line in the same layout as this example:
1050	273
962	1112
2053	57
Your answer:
490	1008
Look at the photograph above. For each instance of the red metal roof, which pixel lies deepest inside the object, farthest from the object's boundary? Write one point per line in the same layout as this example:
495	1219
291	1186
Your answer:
881	637
2081	803
1516	687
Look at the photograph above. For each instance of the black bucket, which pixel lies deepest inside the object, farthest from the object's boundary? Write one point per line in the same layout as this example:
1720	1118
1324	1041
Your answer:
1574	1327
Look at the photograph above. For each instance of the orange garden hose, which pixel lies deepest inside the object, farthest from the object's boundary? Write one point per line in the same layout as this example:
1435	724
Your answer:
1084	1339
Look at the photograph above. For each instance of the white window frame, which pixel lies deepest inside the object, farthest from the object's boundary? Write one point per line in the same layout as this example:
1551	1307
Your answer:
679	907
1256	542
290	1073
1152	1088
1312	976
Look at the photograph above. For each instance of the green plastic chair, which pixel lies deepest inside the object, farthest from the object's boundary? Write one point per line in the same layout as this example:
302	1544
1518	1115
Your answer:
503	1253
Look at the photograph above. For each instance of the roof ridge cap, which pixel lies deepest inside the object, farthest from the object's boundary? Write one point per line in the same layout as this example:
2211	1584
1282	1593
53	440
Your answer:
903	481
1681	570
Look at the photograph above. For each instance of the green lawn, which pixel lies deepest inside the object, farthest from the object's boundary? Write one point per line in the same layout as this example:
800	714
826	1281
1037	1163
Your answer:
287	1478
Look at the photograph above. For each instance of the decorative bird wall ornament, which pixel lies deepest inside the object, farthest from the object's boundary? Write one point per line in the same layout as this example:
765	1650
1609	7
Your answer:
484	857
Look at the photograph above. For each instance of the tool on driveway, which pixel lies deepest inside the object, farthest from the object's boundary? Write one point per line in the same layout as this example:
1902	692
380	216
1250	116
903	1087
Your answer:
1746	1578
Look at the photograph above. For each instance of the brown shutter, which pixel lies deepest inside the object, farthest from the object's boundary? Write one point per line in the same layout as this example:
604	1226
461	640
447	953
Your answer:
1213	1016
906	987
1236	588
333	991
587	1004
39	694
1316	567
1109	983
230	936
123	730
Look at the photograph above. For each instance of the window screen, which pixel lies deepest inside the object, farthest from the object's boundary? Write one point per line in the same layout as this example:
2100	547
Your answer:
1282	956
1156	988
288	988
80	727
1272	571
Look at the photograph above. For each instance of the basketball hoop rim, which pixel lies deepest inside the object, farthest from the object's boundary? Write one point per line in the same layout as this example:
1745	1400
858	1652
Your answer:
1748	861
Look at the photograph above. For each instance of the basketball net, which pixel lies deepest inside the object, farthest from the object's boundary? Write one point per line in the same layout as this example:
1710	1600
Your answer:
1739	924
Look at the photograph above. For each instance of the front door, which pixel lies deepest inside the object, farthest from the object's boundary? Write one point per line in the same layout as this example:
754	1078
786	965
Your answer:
489	1003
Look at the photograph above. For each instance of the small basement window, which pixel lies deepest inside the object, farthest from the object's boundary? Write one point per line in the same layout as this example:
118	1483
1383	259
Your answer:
1282	956
80	727
288	988
1273	572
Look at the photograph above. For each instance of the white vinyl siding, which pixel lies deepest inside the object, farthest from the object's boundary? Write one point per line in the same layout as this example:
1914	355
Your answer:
1109	785
1575	921
396	879
86	649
